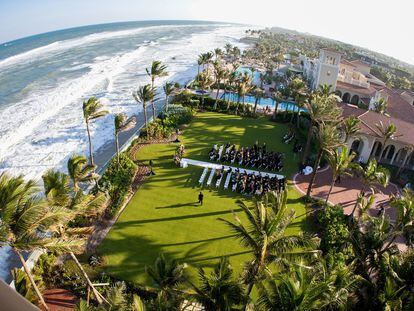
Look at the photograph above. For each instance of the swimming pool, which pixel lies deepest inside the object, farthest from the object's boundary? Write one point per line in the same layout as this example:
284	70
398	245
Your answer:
263	102
255	76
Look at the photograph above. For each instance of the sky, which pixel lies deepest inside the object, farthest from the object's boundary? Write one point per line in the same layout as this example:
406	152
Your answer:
382	26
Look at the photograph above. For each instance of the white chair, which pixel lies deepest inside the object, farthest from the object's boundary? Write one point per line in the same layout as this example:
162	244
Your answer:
203	176
218	182
227	182
210	178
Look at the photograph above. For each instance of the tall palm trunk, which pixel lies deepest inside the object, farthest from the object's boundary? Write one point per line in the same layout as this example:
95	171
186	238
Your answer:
315	170
218	90
145	117
152	101
29	274
85	275
255	105
90	144
297	117
330	188
358	201
308	143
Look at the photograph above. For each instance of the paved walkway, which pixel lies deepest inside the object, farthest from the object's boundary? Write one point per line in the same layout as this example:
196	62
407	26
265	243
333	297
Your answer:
346	192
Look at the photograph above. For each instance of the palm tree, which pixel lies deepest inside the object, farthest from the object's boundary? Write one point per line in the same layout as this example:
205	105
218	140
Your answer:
92	110
218	291
340	161
169	89
25	220
322	109
266	238
232	78
122	124
218	53
387	132
244	86
143	95
381	106
166	277
329	139
157	70
351	126
258	94
301	289
300	94
219	74
205	82
370	175
58	194
80	171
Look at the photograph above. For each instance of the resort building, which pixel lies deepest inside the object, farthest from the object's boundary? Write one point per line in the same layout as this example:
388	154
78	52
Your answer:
360	91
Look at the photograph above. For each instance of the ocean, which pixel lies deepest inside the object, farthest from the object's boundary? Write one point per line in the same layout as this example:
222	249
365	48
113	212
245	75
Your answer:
45	78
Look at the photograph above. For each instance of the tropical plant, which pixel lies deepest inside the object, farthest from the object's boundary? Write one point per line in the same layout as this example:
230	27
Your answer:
301	289
381	106
258	94
72	204
80	171
300	94
370	175
166	277
219	74
350	126
322	109
168	88
218	291
244	86
329	139
157	70
387	132
92	110
266	237
25	220
122	124
205	82
340	161
143	95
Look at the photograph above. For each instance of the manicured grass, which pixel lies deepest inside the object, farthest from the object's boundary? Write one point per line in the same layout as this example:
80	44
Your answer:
163	216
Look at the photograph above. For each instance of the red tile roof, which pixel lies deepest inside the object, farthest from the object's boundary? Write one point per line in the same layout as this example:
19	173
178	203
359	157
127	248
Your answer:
359	62
370	91
348	63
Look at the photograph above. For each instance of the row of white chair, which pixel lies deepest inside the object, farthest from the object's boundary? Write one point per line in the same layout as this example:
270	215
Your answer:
210	178
203	176
227	182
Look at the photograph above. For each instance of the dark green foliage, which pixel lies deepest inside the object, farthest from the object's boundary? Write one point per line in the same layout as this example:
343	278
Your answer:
166	123
116	181
334	234
23	286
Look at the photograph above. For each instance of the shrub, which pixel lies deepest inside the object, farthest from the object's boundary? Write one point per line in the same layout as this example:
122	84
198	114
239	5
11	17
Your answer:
334	233
117	180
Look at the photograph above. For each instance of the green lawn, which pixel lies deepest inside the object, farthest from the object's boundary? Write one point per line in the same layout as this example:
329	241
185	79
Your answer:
163	215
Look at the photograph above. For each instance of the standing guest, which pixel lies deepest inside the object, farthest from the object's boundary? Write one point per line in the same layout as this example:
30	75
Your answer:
200	198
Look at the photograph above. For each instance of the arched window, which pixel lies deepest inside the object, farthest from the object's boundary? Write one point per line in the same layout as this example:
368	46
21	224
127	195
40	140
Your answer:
355	100
346	97
376	149
339	93
388	152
